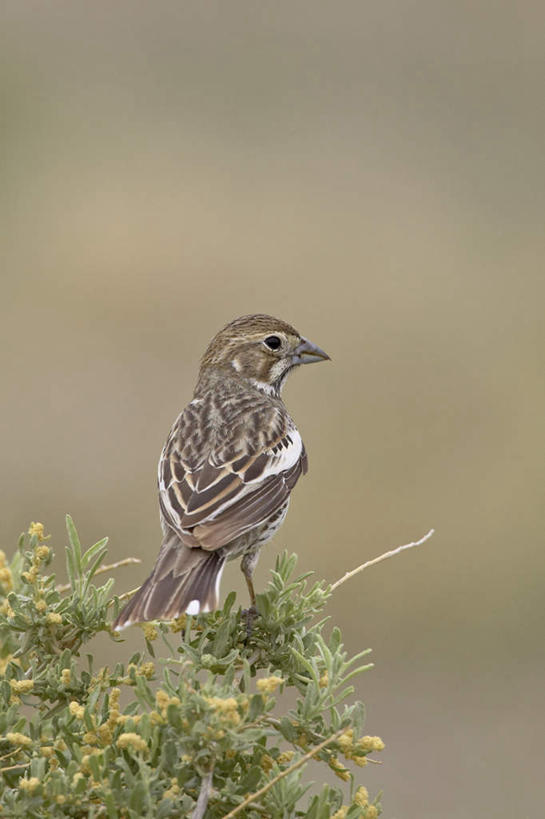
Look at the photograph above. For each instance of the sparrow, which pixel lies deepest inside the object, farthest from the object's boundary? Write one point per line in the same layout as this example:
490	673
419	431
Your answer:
227	469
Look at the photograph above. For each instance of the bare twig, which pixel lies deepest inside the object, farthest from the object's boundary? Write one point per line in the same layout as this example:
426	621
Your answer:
379	559
131	593
258	794
128	561
13	767
204	796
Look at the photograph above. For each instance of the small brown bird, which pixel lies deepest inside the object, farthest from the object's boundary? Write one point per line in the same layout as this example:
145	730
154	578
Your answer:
227	469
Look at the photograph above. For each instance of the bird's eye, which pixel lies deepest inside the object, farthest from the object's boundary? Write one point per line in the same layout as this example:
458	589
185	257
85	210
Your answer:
273	342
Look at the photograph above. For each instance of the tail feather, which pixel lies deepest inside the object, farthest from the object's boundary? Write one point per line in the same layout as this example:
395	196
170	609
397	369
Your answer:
184	580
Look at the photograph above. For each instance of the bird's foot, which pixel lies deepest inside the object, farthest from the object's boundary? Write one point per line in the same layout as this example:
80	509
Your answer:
250	615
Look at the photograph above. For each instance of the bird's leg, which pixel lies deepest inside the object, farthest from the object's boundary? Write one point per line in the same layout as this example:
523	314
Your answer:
247	565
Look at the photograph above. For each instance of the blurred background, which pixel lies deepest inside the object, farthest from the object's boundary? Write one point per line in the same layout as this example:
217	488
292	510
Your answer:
374	174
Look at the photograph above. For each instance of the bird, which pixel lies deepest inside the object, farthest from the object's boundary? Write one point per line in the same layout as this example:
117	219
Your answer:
227	469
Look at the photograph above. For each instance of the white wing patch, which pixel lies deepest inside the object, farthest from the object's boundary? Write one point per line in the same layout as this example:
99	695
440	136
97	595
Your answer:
282	457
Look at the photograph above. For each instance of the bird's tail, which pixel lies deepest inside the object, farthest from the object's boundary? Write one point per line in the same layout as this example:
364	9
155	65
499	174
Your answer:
184	580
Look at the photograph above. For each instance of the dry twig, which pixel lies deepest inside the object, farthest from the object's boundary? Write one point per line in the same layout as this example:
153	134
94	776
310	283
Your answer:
128	561
379	559
258	794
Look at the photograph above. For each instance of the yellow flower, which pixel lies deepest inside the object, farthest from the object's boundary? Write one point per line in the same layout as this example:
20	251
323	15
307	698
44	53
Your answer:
5	608
29	785
147	670
42	552
30	576
6	578
18	739
178	624
371	812
21	686
131	740
66	676
285	757
266	762
105	734
76	709
2	558
341	813
324	680
361	796
268	684
90	738
338	769
47	751
162	699
40	605
345	740
60	799
36	529
370	744
150	632
54	618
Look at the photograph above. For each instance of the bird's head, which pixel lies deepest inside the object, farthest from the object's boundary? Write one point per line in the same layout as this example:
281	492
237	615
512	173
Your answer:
261	350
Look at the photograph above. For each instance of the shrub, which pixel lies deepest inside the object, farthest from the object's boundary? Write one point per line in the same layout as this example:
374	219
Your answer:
204	731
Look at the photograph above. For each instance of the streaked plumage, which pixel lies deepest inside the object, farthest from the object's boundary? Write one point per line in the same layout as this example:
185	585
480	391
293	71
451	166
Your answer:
227	469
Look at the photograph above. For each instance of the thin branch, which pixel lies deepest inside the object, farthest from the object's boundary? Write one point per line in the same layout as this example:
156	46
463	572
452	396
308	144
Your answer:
131	593
379	559
13	767
258	794
128	561
204	796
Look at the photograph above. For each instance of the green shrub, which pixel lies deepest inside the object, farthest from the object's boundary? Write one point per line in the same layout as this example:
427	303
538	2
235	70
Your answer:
202	729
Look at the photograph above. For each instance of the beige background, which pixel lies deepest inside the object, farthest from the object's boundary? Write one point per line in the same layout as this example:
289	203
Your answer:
373	173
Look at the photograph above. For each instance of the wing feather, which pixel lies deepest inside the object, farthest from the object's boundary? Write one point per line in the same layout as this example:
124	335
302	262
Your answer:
209	506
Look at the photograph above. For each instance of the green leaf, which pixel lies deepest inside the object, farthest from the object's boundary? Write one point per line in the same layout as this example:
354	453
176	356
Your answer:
92	550
75	543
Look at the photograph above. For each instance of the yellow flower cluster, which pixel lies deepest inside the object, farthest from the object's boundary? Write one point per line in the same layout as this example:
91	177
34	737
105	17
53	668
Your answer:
163	700
21	686
355	750
266	762
341	813
371	812
178	624
324	680
5	607
29	785
361	797
76	709
18	739
268	685
370	744
150	632
226	707
131	740
36	529
338	769
173	791
5	576
54	618
285	757
66	676
147	670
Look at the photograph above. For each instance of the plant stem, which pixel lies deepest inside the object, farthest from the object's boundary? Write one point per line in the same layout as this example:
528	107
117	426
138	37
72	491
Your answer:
258	794
379	559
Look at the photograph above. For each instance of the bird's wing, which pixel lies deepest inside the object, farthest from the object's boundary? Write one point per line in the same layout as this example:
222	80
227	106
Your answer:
217	483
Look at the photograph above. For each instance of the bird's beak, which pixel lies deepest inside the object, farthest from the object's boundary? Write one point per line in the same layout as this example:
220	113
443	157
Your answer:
307	353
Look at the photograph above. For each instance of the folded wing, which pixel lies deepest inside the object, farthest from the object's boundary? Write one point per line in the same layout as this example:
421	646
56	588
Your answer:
233	488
